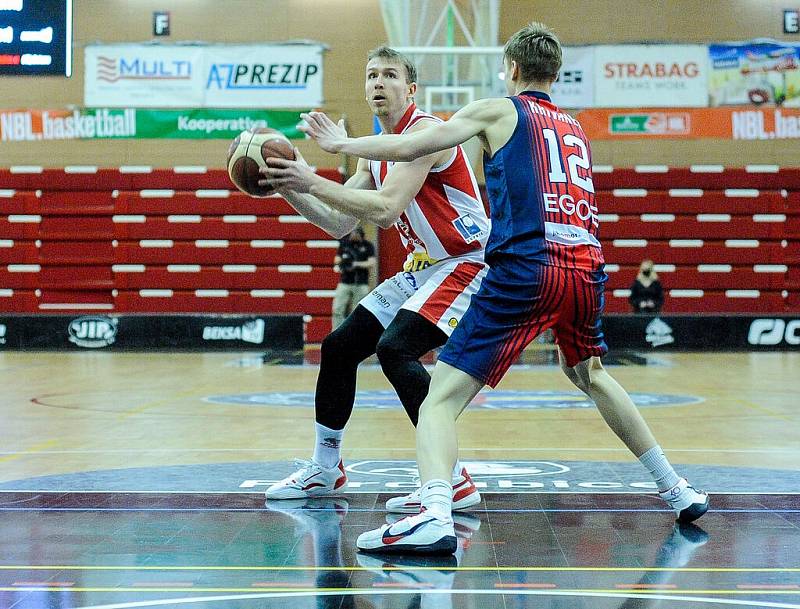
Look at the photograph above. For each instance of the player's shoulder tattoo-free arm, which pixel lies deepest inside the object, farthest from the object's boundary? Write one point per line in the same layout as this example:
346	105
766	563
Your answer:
468	122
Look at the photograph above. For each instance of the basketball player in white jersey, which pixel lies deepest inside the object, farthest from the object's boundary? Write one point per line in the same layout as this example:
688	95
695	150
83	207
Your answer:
435	205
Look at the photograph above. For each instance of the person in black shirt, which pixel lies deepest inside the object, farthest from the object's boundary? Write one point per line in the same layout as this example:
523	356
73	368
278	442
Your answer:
354	260
647	295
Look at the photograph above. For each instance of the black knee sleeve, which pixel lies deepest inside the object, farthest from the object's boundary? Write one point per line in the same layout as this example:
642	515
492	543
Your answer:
342	351
408	337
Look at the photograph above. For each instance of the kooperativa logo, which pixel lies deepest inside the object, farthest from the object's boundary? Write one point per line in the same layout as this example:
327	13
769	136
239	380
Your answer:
93	332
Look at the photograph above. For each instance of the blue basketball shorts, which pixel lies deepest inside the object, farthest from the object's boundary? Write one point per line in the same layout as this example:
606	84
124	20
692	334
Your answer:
516	302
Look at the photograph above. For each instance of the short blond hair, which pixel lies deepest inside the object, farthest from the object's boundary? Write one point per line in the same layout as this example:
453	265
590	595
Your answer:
537	51
389	53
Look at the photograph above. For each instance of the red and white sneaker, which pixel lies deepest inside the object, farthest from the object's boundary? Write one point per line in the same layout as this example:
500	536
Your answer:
312	480
465	495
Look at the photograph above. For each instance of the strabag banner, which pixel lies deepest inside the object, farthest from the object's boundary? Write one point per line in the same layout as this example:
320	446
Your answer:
731	123
633	76
133	123
575	85
220	76
754	72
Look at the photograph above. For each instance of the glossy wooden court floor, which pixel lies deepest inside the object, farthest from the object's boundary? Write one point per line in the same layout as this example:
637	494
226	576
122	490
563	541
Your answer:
135	480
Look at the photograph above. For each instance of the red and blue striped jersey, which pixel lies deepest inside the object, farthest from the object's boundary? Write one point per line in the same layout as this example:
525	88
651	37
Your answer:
540	189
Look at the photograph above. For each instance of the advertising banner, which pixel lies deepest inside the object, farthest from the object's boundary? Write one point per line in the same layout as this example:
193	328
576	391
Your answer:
575	85
261	76
730	123
198	76
153	76
754	73
713	332
114	332
116	123
213	123
635	76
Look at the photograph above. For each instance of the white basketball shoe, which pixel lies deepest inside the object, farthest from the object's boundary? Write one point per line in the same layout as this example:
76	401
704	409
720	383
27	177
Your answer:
465	495
418	534
311	480
686	501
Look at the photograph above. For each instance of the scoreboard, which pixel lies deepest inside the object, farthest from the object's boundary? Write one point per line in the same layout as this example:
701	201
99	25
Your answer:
35	37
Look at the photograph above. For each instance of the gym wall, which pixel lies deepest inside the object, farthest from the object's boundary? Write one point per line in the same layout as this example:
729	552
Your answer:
350	28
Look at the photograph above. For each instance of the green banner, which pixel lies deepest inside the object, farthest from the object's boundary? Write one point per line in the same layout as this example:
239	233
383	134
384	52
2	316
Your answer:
132	123
210	123
629	123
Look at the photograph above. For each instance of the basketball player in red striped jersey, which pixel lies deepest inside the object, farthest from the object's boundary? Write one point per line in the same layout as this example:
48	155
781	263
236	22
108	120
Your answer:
546	271
435	205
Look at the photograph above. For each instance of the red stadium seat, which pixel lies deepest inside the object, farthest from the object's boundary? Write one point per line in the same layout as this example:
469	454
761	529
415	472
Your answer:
87	238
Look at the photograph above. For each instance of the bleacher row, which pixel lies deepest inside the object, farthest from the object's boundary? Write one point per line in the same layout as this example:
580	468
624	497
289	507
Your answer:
142	240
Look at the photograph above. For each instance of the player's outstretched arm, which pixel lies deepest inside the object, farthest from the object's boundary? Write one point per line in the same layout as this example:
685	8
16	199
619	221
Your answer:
468	122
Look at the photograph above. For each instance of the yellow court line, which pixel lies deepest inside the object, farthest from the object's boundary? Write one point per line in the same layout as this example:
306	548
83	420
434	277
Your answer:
153	403
410	590
400	568
36	448
769	412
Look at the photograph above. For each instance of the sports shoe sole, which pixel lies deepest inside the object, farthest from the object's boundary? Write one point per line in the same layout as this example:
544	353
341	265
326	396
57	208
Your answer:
442	547
693	512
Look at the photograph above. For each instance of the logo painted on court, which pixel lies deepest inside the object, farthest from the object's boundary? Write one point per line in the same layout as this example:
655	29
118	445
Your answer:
477	469
490	400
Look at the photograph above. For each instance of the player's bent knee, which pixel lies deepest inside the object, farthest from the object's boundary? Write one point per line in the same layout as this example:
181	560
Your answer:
583	374
338	344
389	350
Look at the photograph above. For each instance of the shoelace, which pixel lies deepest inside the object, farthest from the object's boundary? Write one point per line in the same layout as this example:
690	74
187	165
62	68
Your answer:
306	466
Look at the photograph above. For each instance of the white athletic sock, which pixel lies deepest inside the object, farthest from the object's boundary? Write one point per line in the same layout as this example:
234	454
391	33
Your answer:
658	466
457	469
436	498
328	449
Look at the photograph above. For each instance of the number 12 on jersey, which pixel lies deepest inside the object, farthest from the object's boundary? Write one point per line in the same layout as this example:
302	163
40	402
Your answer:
578	159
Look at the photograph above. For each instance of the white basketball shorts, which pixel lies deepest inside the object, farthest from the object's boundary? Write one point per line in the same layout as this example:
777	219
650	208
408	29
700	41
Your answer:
440	293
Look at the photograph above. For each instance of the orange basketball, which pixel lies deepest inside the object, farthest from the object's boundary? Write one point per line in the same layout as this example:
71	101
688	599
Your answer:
247	154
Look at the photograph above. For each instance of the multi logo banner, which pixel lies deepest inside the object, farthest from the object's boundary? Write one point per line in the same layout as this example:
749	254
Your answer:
219	76
129	123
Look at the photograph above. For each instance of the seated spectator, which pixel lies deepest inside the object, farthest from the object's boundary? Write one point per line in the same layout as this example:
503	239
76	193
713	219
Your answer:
647	295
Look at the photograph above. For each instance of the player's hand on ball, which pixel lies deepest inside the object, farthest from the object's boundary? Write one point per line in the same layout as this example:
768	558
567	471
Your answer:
285	175
325	132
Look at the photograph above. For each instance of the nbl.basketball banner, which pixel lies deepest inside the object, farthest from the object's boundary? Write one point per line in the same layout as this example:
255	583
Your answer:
203	76
23	125
731	123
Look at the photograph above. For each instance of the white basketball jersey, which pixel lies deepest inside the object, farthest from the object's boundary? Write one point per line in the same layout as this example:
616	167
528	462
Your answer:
446	218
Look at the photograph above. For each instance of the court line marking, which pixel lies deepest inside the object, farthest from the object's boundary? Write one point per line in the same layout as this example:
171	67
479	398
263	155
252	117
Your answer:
383	511
763	409
401	568
366	592
36	449
409	450
394	491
